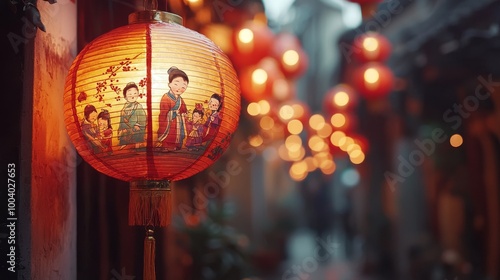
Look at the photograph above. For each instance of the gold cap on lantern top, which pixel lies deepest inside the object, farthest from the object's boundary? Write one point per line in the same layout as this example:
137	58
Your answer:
154	16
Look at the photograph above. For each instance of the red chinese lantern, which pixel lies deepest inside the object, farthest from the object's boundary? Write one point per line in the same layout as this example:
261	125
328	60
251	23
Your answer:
252	41
283	89
340	98
259	81
372	46
373	80
291	58
368	7
149	103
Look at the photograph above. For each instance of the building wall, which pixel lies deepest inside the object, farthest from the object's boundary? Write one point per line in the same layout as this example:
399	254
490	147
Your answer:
53	177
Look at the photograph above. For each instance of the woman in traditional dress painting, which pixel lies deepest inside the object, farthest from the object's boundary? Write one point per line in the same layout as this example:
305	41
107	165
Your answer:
172	129
195	129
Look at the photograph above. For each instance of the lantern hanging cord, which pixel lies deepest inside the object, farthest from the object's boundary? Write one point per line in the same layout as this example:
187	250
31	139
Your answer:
150	5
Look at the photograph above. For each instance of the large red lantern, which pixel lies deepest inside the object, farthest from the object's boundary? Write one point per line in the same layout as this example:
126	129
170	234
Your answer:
149	103
373	80
371	46
252	41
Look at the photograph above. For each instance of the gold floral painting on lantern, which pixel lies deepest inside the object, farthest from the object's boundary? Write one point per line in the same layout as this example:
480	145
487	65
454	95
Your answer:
119	115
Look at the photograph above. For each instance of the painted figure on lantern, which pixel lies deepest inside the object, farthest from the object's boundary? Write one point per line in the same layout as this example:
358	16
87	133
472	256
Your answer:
214	118
105	130
195	129
132	119
171	131
90	130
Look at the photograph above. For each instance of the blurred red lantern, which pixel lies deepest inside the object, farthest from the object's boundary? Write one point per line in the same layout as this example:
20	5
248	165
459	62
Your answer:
283	89
252	41
373	80
340	98
258	81
372	46
368	7
293	61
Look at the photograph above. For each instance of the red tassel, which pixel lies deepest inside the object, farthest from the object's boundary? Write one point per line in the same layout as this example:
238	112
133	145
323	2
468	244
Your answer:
149	256
150	203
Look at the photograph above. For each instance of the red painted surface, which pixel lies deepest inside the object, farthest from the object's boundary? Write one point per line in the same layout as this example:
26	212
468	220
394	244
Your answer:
53	188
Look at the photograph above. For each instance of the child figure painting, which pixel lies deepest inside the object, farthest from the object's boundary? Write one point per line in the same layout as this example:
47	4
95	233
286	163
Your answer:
132	118
90	130
105	130
195	129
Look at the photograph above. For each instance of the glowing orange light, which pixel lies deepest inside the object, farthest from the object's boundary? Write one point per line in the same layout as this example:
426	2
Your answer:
325	131
371	75
456	140
286	112
253	109
256	141
266	123
265	107
295	127
259	76
358	159
293	143
370	44
290	57
316	121
338	120
336	137
245	35
341	99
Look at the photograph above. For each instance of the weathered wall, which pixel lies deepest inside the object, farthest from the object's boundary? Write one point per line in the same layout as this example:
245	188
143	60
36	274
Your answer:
53	188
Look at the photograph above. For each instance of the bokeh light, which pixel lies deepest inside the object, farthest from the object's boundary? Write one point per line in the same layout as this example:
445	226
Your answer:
456	140
295	127
316	121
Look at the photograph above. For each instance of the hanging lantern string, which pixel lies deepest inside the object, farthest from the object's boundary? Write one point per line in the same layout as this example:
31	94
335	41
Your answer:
150	5
149	272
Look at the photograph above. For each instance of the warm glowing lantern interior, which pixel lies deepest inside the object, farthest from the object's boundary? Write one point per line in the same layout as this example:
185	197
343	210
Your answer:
371	75
370	44
245	35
